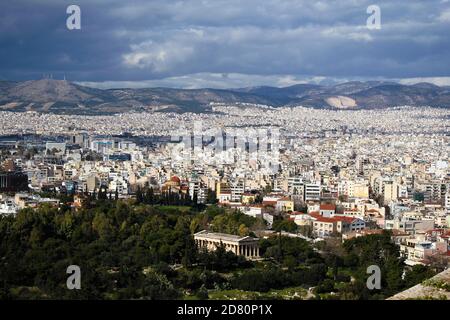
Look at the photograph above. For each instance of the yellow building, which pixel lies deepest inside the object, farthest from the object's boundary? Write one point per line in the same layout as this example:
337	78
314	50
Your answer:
284	205
360	190
390	191
248	198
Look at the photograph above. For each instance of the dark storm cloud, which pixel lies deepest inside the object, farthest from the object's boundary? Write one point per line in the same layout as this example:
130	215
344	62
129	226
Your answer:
197	42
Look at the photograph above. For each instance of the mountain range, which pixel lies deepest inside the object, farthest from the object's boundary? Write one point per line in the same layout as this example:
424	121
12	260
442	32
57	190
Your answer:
64	97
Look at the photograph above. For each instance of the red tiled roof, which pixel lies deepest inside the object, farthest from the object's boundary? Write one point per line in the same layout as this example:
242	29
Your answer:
346	219
325	220
327	207
175	179
321	218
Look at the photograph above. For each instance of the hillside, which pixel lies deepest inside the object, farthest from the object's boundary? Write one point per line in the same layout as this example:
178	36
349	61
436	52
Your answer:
60	96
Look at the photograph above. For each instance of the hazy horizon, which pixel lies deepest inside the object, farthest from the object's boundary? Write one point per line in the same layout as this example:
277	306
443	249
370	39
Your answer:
218	85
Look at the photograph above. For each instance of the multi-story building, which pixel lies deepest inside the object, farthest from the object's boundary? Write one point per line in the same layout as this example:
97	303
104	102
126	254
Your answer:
312	192
326	226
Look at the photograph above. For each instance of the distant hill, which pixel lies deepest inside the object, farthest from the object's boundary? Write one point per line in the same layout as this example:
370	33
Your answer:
60	96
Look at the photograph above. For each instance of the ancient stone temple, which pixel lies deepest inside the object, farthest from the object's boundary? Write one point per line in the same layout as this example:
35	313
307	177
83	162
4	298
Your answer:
241	246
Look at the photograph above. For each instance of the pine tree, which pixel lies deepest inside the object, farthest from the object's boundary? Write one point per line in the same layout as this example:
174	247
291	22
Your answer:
149	196
139	195
195	199
212	197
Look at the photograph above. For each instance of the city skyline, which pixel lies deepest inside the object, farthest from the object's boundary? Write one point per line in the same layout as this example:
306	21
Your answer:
247	152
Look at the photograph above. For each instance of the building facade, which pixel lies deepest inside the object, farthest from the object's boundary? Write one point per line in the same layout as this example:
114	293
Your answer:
247	247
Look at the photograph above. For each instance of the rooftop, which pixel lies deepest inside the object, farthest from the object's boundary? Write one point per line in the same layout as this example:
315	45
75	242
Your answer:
222	236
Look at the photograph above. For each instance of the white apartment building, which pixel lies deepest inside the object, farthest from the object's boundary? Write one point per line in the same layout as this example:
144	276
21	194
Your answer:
447	201
312	191
295	185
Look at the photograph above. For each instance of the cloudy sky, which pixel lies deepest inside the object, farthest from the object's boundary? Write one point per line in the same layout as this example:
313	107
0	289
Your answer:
225	43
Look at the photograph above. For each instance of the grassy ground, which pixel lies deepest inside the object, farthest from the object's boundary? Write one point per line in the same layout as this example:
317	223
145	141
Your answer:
294	293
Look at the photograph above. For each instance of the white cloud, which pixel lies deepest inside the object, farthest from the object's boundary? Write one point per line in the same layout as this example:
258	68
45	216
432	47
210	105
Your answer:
439	81
175	40
236	80
210	80
157	57
444	16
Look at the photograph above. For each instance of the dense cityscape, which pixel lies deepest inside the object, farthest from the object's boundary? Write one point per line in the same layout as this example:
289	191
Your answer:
317	178
232	158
